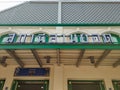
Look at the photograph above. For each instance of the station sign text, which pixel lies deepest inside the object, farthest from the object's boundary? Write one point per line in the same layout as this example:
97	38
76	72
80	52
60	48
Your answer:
57	38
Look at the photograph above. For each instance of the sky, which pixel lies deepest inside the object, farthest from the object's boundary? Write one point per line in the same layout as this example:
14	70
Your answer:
6	4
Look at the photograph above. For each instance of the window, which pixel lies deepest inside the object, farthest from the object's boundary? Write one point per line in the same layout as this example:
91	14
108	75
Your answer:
116	84
85	85
30	85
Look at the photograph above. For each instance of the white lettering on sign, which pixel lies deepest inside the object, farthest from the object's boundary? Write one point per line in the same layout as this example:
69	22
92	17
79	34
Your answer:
58	38
21	38
96	38
84	38
40	38
74	38
53	38
9	39
107	38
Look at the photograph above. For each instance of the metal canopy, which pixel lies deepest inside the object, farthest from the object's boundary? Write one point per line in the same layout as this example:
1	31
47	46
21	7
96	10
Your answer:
13	54
116	63
76	57
35	54
80	58
58	56
3	61
102	57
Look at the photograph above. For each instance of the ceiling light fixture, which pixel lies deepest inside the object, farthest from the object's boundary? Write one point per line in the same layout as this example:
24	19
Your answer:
47	59
92	59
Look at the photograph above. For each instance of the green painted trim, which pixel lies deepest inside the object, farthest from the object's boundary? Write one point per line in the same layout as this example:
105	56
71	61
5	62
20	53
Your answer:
14	85
2	84
60	24
60	46
115	80
85	80
115	84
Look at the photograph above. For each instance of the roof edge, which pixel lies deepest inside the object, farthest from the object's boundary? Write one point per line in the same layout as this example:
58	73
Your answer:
13	6
101	24
75	0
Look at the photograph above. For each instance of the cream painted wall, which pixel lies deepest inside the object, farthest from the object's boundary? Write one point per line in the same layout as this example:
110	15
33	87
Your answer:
90	73
59	30
7	73
59	75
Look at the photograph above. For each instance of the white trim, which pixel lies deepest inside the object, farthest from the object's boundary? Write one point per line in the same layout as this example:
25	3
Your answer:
59	12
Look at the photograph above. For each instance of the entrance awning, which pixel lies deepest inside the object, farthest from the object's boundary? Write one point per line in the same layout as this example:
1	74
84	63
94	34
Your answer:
70	54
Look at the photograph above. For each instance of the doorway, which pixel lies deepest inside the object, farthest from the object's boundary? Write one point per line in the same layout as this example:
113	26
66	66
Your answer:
85	85
30	85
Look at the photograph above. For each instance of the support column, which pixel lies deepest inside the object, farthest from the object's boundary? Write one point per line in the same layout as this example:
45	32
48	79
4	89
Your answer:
58	77
8	74
59	12
8	83
108	84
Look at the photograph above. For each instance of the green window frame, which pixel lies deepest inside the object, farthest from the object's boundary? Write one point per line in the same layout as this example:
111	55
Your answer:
115	38
101	83
16	83
116	84
2	84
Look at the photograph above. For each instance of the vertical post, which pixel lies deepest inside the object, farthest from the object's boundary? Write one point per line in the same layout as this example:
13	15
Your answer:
8	77
59	29
58	77
108	84
59	12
